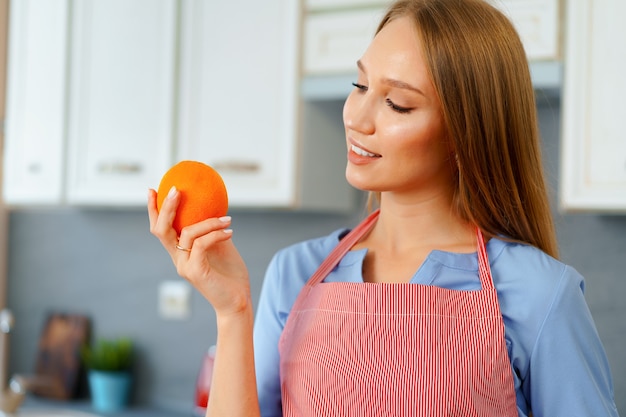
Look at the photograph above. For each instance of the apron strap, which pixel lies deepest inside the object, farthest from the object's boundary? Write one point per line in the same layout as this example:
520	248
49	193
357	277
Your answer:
342	248
353	237
484	270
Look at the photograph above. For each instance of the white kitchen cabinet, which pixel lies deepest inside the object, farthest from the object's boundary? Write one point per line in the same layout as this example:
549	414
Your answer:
90	103
317	5
336	36
334	41
35	105
538	23
239	108
106	95
121	103
593	176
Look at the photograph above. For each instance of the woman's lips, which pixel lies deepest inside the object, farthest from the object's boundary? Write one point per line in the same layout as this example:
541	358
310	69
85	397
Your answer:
360	156
363	152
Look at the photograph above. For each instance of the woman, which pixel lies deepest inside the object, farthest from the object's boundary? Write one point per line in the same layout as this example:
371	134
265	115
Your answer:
447	300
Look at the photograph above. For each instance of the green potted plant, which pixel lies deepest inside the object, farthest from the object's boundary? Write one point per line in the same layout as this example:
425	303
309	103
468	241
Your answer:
108	363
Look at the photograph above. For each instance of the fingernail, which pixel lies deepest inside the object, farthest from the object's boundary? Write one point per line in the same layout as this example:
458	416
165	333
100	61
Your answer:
228	231
225	219
172	192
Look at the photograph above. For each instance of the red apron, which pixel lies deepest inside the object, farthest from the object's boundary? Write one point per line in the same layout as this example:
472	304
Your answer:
364	349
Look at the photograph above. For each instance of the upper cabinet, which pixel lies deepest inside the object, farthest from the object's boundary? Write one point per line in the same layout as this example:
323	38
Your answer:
121	93
238	102
538	24
321	5
334	40
336	35
90	100
593	142
35	104
103	103
239	109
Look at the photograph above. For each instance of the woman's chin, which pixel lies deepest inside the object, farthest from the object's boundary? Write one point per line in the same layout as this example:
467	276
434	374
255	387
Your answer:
361	183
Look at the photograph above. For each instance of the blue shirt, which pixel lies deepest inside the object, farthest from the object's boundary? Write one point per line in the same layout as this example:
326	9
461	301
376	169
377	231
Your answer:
558	362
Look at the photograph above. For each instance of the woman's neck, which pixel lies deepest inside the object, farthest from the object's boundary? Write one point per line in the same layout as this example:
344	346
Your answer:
406	233
425	224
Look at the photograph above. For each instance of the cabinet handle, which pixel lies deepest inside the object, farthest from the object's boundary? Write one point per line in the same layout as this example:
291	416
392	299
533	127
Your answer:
34	168
238	167
120	168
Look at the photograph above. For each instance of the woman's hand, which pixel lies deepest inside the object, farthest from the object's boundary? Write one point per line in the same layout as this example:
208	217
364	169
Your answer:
204	255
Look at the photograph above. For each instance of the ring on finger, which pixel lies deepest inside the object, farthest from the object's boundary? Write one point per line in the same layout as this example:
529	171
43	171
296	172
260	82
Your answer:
183	249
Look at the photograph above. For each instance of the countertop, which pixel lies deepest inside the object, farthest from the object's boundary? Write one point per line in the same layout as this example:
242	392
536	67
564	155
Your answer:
37	403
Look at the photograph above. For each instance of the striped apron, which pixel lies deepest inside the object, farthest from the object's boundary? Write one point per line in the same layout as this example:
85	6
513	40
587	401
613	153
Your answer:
364	349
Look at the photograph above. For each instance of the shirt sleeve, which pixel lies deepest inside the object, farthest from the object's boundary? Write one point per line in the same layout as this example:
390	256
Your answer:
569	372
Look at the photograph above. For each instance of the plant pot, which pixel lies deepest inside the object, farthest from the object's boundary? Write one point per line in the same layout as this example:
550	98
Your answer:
110	391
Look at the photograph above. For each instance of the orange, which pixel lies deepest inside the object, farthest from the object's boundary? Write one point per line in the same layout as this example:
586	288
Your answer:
202	192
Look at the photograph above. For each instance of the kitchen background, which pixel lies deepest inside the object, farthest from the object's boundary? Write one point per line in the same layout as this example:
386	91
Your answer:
100	259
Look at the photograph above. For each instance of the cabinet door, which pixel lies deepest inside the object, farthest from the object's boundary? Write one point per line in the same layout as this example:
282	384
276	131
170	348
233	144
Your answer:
36	102
334	41
122	99
238	97
593	142
322	5
538	24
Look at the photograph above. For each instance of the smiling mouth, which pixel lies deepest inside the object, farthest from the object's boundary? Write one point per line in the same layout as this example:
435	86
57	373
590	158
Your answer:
363	152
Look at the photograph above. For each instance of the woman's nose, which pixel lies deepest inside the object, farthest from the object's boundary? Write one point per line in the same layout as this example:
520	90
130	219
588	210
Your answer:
358	113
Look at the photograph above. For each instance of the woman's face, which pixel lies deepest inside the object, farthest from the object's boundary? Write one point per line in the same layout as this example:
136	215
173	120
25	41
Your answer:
394	128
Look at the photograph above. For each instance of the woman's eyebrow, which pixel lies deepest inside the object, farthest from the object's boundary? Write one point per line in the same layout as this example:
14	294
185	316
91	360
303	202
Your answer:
361	66
402	84
393	82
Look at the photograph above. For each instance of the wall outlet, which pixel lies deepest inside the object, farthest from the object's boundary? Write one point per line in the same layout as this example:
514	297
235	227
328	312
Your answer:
174	300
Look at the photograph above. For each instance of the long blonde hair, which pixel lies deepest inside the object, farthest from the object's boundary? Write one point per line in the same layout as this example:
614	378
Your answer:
480	72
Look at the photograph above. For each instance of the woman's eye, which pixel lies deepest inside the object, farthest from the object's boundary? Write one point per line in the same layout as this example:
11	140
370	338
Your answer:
394	107
397	108
359	86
